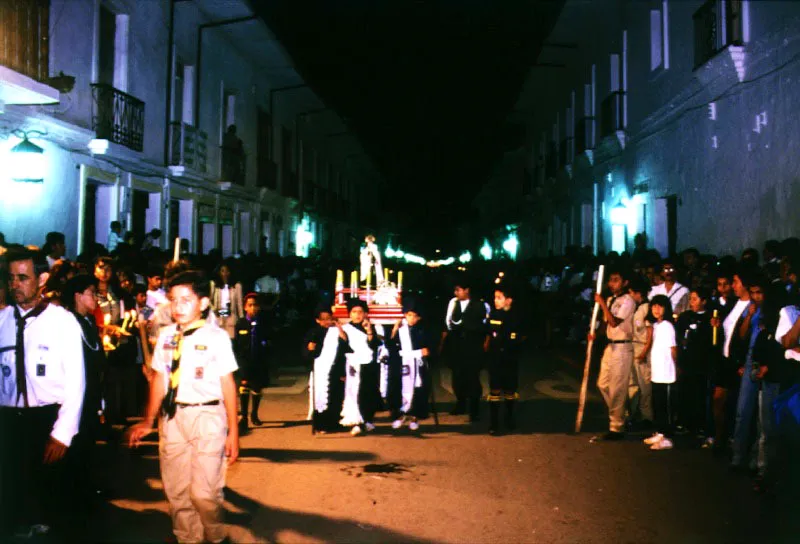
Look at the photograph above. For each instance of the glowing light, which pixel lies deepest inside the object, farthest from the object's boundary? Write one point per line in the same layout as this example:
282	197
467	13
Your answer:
416	259
304	238
399	254
511	245
98	146
447	262
389	252
465	257
619	214
486	250
27	162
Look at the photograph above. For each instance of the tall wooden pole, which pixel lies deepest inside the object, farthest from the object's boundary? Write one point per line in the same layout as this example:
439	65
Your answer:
587	364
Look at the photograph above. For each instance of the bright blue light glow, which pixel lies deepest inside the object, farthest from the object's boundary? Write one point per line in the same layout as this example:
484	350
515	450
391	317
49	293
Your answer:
511	245
465	257
389	252
304	238
486	250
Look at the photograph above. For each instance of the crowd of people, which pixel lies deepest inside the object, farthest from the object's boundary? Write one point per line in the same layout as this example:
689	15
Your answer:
693	346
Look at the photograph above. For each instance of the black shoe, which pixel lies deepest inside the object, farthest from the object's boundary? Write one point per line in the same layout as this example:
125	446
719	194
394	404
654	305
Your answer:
256	422
243	428
612	436
493	431
458	410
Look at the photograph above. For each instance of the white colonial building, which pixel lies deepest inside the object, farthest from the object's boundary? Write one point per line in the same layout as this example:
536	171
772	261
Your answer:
676	118
132	104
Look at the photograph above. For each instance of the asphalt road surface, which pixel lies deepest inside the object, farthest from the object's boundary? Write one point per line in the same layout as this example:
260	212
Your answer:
455	483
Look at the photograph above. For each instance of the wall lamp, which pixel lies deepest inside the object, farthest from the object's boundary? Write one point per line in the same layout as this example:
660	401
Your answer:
27	158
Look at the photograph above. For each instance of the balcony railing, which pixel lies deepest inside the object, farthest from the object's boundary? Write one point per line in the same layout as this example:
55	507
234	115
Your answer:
584	132
717	24
611	114
188	146
267	173
117	117
24	37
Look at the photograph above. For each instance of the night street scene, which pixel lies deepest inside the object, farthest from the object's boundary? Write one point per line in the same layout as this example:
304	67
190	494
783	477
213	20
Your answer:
410	271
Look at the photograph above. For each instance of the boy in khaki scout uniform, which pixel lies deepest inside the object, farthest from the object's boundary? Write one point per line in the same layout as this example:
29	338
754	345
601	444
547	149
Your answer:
615	366
194	395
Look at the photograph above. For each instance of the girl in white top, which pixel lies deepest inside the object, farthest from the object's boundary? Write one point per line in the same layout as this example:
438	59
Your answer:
663	355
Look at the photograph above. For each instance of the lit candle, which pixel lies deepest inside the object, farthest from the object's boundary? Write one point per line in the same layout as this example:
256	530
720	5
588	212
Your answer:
353	281
339	280
714	330
386	274
400	281
177	254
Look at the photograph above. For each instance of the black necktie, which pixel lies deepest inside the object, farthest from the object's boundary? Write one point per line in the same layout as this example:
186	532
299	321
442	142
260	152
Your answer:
22	381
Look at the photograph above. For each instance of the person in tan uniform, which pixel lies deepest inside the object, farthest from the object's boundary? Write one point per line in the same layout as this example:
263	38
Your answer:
640	392
193	394
615	366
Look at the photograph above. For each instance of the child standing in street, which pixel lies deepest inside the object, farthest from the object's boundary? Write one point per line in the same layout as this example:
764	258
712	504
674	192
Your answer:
252	347
663	355
408	376
193	395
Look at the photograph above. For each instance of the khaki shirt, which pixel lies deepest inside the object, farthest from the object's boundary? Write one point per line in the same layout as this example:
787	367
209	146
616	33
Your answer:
641	324
622	308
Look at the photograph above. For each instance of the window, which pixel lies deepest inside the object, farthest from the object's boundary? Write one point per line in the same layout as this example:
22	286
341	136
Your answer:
659	38
717	25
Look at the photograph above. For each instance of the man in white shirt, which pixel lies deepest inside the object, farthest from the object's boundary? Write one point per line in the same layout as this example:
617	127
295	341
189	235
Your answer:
42	385
677	294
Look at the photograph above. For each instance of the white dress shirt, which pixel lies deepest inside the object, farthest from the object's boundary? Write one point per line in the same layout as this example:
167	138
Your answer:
678	296
206	356
730	323
54	366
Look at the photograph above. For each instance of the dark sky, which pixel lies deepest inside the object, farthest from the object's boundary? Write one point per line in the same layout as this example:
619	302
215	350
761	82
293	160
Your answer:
425	86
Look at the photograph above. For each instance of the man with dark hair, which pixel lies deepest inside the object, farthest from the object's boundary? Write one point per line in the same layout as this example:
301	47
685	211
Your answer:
55	246
615	366
463	337
43	383
677	294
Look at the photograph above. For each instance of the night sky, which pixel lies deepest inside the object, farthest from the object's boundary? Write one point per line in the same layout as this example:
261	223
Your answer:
426	87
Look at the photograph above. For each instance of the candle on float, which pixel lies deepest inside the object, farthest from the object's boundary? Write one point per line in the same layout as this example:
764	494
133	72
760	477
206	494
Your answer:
714	329
353	280
400	281
177	254
339	279
386	274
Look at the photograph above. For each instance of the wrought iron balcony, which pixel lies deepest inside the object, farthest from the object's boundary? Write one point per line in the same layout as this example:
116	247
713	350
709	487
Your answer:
717	24
584	132
117	116
611	114
188	146
24	37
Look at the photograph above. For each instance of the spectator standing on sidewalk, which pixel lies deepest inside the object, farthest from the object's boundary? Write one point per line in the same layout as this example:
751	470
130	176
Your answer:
663	355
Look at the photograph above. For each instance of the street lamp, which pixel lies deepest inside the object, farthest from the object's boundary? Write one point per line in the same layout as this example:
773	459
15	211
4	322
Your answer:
27	159
511	245
619	214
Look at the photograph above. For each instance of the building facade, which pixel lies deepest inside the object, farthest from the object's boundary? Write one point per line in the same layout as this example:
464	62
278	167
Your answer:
186	116
669	118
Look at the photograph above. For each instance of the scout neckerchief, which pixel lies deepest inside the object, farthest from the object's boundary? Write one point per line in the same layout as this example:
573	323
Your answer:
22	381
169	403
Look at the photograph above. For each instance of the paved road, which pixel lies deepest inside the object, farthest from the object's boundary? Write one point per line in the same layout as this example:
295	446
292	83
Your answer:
454	483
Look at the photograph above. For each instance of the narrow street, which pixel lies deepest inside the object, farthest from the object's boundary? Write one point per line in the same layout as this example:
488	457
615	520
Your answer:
454	483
